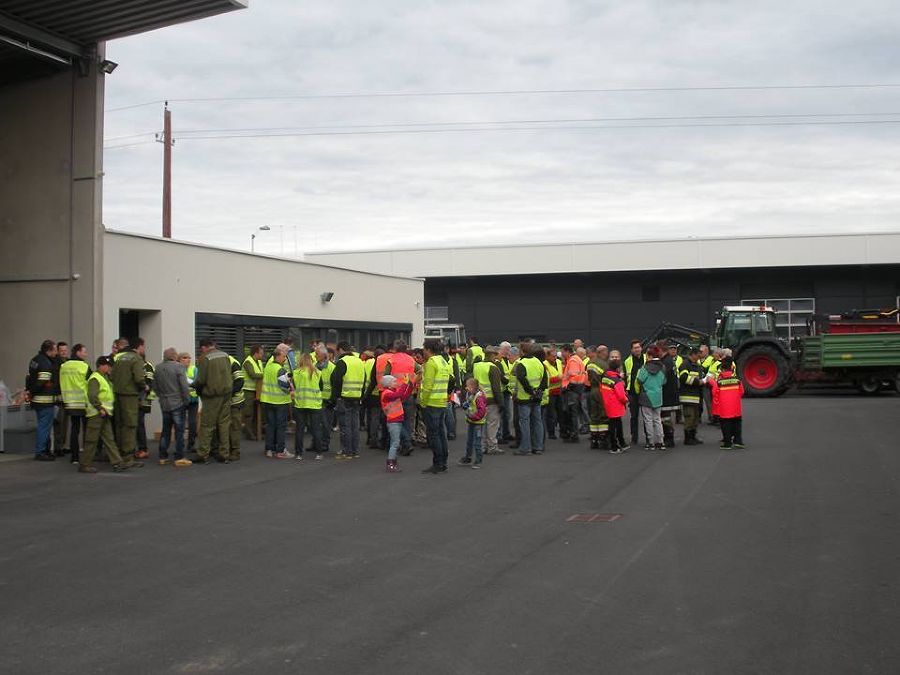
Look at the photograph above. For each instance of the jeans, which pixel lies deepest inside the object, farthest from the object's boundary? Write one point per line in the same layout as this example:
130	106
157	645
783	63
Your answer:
434	430
395	430
170	419
450	420
308	419
44	414
327	426
348	419
276	425
374	419
531	426
409	418
474	441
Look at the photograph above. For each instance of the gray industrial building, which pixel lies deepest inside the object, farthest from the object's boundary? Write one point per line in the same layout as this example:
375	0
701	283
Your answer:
613	292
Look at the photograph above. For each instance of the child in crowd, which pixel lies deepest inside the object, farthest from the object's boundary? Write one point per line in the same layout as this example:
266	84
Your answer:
727	391
615	401
393	394
475	406
651	379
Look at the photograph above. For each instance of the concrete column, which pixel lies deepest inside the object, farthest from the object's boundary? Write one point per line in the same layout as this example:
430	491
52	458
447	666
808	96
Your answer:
50	215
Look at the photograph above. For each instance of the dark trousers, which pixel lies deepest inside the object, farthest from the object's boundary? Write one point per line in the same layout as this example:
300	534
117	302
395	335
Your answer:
634	408
327	426
450	420
142	428
348	421
276	425
192	424
374	422
551	419
172	420
569	421
409	419
436	434
732	430
308	419
76	421
505	420
616	433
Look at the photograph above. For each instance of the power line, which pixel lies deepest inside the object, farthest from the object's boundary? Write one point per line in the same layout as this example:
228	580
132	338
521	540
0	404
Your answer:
544	121
523	125
506	92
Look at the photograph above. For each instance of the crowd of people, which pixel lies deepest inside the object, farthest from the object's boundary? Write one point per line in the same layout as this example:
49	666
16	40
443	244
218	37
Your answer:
510	397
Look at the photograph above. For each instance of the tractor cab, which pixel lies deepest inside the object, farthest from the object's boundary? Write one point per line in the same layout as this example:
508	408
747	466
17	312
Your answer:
736	324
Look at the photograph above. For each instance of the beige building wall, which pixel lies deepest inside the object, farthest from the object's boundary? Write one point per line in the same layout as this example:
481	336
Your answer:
170	281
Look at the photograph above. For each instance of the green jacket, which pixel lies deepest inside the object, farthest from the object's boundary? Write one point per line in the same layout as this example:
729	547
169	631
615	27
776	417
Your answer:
128	375
214	377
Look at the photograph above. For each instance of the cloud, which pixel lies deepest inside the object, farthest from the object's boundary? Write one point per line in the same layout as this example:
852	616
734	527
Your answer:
463	186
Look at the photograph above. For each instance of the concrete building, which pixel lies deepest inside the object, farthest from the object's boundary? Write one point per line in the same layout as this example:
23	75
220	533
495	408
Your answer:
52	72
63	276
616	291
174	293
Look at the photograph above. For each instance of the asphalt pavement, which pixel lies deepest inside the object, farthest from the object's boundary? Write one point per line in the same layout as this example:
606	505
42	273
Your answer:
781	558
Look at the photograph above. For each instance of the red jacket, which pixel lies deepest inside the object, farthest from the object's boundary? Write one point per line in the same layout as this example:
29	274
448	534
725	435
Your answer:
612	388
727	391
392	401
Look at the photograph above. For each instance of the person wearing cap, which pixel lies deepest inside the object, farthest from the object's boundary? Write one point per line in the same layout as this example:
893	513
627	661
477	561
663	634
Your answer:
98	413
394	393
489	378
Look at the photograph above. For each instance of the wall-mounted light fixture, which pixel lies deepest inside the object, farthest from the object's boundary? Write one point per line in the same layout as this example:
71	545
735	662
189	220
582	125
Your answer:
327	296
107	66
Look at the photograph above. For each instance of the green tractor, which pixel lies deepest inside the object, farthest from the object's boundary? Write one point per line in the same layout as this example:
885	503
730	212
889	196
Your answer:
763	359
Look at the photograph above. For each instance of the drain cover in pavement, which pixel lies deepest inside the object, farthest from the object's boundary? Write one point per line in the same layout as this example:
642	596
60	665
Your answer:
593	518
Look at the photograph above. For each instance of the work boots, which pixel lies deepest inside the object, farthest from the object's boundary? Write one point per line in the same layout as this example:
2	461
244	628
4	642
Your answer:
595	440
690	437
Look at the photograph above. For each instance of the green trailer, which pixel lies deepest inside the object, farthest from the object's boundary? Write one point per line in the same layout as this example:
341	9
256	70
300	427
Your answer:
871	361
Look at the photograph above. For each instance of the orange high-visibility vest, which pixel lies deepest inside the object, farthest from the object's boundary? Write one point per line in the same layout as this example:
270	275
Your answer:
574	372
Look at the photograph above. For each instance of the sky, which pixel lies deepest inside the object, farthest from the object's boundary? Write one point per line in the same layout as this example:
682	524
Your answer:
714	157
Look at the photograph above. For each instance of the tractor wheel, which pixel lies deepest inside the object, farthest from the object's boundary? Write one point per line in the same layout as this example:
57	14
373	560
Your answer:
765	371
869	385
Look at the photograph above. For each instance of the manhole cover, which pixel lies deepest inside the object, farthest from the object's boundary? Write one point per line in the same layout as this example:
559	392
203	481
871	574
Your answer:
593	518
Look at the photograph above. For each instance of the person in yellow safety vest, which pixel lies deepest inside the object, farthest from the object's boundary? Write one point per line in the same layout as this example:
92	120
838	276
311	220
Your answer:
706	360
531	381
713	372
458	380
275	398
347	381
474	354
490	379
73	377
553	393
371	399
98	420
193	407
233	452
325	365
253	375
505	434
437	385
146	407
631	366
308	386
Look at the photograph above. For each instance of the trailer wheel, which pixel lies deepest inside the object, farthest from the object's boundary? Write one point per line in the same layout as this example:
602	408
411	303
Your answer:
765	371
869	385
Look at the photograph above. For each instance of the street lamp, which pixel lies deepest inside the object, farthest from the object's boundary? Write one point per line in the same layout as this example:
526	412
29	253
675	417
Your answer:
262	228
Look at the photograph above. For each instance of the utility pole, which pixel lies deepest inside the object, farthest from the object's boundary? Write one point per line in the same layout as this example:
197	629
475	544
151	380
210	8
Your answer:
167	142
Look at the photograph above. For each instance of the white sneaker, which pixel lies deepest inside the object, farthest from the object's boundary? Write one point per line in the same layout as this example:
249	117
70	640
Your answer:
270	454
299	456
318	458
285	454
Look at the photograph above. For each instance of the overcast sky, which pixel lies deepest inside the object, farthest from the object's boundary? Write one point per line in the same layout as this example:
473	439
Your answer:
462	184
